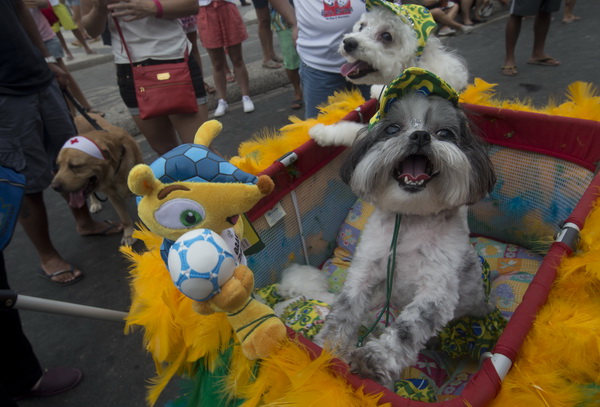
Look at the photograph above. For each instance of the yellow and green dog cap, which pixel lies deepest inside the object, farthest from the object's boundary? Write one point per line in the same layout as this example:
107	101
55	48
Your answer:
413	80
418	17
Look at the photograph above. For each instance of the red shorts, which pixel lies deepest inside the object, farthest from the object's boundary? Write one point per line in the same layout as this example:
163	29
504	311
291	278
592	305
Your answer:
220	24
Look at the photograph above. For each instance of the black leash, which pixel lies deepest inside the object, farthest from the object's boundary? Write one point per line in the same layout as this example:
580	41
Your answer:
81	110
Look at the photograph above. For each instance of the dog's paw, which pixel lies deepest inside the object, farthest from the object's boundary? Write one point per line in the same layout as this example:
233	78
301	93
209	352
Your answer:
377	91
128	240
368	362
321	135
95	206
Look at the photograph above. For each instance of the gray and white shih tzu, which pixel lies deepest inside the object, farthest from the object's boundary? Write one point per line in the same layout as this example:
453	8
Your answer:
422	164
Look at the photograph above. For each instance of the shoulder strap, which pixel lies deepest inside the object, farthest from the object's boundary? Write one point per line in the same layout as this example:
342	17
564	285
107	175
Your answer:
116	21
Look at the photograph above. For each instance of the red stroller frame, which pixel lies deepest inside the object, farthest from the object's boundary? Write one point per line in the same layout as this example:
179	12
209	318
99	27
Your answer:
572	141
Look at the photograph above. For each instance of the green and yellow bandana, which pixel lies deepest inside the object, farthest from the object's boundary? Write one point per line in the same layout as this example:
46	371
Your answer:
418	17
413	80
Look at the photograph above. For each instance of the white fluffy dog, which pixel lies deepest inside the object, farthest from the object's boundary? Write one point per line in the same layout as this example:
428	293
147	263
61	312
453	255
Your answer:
382	44
420	163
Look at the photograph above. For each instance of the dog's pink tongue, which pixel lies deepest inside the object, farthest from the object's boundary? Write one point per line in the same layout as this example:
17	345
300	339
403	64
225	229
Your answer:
348	68
413	168
76	199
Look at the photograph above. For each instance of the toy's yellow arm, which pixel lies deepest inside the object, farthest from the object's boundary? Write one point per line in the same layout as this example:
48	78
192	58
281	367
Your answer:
258	329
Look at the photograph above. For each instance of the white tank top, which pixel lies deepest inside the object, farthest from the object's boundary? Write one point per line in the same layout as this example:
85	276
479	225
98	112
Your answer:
156	38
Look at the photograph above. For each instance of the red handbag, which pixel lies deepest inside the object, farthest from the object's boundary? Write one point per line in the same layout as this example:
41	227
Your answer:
162	89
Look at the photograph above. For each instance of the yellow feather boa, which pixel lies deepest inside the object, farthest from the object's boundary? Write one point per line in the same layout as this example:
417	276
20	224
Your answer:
560	356
177	337
257	153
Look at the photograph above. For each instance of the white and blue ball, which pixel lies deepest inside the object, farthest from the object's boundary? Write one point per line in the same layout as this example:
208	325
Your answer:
200	262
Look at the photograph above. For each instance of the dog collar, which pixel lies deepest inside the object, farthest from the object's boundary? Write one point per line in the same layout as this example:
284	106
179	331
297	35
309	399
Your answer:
413	80
86	145
418	17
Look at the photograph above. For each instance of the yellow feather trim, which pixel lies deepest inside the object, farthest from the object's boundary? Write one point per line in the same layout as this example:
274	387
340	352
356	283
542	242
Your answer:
260	151
174	334
561	354
267	146
583	100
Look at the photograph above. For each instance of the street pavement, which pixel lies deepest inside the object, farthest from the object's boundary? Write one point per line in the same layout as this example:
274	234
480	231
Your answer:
116	368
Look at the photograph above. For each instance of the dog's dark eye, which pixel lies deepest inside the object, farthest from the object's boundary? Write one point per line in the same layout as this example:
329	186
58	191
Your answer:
361	26
386	36
74	167
446	134
392	129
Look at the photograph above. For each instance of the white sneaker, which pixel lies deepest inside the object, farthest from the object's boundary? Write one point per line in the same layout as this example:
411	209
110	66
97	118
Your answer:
222	107
466	29
248	105
446	31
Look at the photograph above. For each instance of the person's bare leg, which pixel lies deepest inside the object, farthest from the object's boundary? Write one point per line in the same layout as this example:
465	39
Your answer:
159	132
541	26
64	45
568	16
34	220
218	62
443	19
79	35
465	11
294	78
265	35
512	31
188	124
452	12
193	37
239	68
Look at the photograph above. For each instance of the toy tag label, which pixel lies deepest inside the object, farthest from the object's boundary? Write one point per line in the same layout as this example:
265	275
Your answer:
275	215
235	245
251	242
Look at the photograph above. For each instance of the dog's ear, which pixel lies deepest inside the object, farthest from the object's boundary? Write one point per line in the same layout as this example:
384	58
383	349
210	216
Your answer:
361	146
141	180
483	177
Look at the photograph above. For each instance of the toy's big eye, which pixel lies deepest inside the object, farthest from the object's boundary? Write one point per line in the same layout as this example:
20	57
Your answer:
180	213
190	218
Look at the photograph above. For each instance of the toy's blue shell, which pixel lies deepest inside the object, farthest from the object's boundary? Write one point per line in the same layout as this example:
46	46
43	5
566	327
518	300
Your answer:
196	163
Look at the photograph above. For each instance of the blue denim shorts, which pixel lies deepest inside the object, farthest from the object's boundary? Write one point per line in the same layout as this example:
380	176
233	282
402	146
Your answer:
318	85
54	48
33	129
260	3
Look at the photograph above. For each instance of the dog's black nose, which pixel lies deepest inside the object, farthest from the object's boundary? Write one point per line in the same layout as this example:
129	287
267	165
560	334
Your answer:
422	138
350	44
56	186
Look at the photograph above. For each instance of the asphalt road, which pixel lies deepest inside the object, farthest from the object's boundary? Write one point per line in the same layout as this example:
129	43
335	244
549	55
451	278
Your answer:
116	367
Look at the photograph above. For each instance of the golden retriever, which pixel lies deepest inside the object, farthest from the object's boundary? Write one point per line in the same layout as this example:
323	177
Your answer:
98	160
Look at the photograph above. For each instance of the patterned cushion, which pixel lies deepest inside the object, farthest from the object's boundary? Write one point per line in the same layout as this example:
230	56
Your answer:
437	375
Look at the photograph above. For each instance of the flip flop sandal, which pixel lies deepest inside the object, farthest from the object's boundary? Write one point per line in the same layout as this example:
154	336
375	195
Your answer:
110	226
209	89
71	269
270	64
297	104
509	70
547	61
